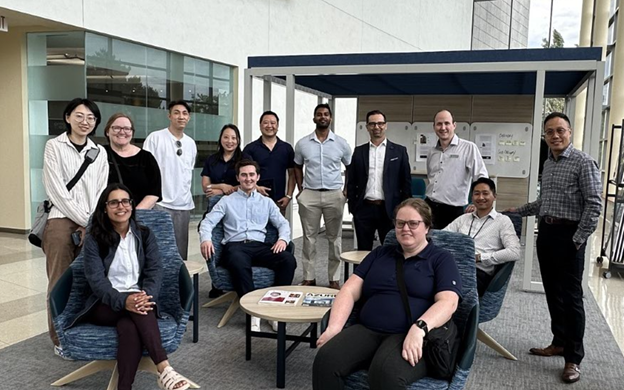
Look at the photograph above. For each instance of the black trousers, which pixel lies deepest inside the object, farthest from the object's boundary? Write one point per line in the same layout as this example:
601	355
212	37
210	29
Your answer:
134	331
367	219
483	281
358	347
443	214
561	266
239	257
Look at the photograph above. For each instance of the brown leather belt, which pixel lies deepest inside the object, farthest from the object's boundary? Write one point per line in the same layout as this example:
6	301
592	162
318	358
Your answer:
558	221
377	202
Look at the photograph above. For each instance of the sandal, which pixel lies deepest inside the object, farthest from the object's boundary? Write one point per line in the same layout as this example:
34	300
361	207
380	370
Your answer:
169	378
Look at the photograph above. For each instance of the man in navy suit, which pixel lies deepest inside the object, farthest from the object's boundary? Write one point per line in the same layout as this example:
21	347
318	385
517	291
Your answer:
378	180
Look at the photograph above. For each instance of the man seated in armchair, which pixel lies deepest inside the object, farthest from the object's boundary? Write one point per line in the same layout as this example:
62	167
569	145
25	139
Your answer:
245	215
493	233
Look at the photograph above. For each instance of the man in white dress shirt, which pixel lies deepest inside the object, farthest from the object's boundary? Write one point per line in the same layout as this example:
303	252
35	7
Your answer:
494	235
175	153
452	165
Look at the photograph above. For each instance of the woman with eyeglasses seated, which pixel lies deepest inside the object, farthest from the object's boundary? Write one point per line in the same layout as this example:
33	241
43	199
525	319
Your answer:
384	340
219	174
128	164
124	272
62	160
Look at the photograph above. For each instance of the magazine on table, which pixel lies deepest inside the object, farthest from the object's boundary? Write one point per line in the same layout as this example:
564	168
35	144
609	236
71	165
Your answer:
314	299
281	297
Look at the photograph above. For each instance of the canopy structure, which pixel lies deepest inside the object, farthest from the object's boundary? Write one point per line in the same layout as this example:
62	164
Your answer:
540	73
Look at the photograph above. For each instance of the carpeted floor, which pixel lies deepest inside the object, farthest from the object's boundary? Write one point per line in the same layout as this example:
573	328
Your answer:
217	361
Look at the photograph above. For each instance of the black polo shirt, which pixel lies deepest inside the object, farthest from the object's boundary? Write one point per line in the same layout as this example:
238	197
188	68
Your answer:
273	164
221	172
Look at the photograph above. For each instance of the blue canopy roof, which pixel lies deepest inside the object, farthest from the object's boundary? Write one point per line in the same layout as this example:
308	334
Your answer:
558	83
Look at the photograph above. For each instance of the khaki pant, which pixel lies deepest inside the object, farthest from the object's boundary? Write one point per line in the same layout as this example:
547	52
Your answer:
60	251
181	220
330	205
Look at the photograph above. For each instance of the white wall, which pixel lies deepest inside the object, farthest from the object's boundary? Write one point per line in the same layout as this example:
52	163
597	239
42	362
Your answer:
229	31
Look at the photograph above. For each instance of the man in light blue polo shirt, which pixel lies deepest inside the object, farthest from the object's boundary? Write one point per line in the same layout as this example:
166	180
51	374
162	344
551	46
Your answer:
321	193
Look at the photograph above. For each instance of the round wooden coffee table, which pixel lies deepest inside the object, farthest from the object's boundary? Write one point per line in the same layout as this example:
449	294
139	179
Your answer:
352	257
283	314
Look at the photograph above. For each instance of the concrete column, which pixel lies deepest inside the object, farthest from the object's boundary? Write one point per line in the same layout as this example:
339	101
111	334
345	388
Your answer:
617	94
587	20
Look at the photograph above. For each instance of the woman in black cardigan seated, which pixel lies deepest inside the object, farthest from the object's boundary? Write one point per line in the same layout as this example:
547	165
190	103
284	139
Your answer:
124	272
382	341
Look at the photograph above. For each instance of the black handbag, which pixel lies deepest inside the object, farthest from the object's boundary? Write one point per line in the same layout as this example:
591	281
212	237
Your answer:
441	345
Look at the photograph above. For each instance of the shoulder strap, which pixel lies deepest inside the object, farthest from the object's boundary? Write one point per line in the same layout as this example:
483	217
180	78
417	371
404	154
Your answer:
90	157
116	167
400	275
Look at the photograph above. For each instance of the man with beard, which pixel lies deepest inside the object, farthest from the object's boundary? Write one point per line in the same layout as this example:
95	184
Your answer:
452	165
320	193
175	153
378	180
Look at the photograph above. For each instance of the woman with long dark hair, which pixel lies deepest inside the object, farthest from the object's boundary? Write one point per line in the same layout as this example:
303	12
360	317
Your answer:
124	273
63	158
219	175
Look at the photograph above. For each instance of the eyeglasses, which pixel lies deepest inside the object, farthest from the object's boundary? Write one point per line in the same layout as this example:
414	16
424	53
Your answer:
375	124
560	131
79	118
399	224
115	202
179	146
119	129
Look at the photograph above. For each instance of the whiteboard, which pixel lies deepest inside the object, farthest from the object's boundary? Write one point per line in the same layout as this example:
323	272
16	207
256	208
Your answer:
424	139
505	147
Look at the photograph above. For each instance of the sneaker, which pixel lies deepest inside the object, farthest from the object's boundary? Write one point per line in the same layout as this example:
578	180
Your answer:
255	324
274	325
58	351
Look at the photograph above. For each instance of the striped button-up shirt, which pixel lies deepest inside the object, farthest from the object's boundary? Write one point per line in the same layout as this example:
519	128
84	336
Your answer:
61	162
570	189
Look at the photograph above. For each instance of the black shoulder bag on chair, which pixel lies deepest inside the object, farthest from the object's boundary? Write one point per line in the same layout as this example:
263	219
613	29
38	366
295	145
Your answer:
35	236
440	345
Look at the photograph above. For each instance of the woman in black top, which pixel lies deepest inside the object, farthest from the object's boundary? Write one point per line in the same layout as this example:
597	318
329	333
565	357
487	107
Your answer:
138	168
219	175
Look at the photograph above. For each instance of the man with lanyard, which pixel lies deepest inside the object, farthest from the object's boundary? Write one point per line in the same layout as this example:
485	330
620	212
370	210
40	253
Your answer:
494	235
320	193
175	153
452	165
569	206
276	158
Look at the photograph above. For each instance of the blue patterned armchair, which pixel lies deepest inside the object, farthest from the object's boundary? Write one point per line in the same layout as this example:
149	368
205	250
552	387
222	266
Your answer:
98	344
262	277
490	303
466	317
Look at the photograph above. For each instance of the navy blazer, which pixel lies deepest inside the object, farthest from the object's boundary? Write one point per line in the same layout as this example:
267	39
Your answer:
96	271
397	180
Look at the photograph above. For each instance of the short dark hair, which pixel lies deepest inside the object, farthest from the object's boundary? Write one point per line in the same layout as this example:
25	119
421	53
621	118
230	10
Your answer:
375	112
557	115
87	103
444	109
323	105
484	180
244	163
269	113
178	103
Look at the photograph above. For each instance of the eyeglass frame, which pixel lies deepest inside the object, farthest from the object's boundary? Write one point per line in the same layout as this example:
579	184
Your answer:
560	131
178	144
119	129
396	223
124	202
90	119
372	125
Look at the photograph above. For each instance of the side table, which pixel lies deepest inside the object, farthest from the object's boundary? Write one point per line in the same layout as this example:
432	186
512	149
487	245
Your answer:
195	268
352	257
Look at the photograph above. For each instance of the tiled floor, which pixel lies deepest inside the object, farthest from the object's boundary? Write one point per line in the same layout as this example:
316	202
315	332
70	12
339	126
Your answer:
23	286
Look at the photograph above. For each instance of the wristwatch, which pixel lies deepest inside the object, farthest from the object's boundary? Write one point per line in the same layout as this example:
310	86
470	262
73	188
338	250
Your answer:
422	325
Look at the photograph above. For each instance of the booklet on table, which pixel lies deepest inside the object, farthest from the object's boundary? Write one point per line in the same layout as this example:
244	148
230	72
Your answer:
314	299
281	297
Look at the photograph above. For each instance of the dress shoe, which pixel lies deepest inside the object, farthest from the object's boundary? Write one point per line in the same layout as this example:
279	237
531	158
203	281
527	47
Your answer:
309	282
255	324
334	284
571	373
551	350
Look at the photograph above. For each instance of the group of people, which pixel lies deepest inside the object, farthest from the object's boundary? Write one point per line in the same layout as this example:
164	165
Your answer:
258	182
